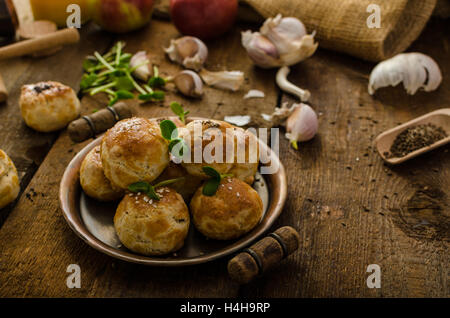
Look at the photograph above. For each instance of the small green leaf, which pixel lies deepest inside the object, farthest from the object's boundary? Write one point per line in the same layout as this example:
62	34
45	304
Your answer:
158	95
124	83
87	81
156	82
210	171
146	97
139	187
178	110
168	130
181	151
151	193
210	187
122	94
168	182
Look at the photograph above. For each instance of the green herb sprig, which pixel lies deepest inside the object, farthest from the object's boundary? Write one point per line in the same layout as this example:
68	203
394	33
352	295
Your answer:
178	110
210	187
112	74
150	190
169	131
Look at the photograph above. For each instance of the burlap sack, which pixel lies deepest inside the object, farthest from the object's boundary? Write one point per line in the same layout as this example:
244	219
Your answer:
341	25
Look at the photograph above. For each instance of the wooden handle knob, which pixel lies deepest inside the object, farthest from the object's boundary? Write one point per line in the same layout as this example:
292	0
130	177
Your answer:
263	255
45	42
3	91
89	126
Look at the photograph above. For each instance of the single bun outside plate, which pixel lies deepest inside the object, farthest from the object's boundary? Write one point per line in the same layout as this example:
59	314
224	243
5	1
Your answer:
9	180
48	106
93	180
132	151
152	227
210	133
235	209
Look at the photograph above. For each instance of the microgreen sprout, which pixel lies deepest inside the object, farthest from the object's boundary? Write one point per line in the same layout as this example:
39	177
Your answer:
178	110
169	131
111	74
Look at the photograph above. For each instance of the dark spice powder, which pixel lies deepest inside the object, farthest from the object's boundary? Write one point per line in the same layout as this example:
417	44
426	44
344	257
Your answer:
414	138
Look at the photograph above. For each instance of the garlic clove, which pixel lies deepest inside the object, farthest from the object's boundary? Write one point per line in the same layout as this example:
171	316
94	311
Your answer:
188	51
260	50
141	62
189	84
288	87
228	80
415	70
306	47
302	124
283	32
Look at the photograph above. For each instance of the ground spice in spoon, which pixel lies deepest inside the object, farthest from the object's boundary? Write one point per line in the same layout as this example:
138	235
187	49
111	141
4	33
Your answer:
414	138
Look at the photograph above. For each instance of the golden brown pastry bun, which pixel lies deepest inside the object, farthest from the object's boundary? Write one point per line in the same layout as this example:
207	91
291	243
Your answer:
208	131
185	187
152	227
48	106
9	181
93	180
133	150
246	156
234	210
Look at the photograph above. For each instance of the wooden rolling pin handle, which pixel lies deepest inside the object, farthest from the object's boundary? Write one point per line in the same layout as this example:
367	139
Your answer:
89	126
263	255
3	91
45	42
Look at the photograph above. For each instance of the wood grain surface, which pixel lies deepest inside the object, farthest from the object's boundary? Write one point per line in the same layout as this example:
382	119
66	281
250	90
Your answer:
351	210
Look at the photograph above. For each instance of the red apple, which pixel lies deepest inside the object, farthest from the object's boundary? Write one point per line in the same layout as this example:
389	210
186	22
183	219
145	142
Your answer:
120	16
204	19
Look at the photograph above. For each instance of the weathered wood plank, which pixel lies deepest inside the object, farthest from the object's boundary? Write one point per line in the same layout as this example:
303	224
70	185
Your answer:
351	209
41	245
26	147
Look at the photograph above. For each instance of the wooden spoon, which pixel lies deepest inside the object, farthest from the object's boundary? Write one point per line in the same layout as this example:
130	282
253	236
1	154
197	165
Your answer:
439	118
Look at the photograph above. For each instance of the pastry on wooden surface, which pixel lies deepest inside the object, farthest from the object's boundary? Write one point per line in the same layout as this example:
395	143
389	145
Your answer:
48	106
9	180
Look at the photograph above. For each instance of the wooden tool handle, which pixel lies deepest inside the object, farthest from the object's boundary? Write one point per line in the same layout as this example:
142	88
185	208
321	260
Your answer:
89	126
45	42
3	91
263	255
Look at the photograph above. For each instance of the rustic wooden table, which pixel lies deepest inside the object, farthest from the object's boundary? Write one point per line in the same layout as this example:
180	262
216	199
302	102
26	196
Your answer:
350	209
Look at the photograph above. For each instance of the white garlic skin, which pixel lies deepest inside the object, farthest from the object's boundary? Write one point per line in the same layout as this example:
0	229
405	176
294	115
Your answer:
302	124
280	42
143	72
227	80
415	70
188	51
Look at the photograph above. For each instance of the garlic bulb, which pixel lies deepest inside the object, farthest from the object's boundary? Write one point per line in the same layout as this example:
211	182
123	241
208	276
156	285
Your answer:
288	87
189	84
225	80
142	65
415	70
280	42
188	51
302	125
